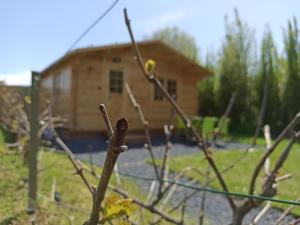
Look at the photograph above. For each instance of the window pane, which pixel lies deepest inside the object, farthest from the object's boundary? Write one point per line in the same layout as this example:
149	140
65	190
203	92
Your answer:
172	88
158	95
116	81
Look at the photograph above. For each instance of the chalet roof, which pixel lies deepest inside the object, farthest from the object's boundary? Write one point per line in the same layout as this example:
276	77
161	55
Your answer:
172	55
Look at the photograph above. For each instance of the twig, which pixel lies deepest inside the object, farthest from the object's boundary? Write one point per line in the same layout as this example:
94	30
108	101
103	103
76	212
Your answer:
115	147
151	191
201	142
150	207
203	198
164	164
270	150
53	189
91	162
285	213
118	178
267	166
106	120
294	222
142	221
283	177
226	113
109	134
163	168
269	183
261	213
145	124
267	134
73	160
183	211
177	205
269	186
262	110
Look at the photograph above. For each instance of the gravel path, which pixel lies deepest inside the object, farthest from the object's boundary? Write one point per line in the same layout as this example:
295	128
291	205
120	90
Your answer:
217	208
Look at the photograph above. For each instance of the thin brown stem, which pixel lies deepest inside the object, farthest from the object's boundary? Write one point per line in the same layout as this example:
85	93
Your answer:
263	108
199	138
203	198
145	124
285	213
115	147
149	207
270	150
163	167
106	120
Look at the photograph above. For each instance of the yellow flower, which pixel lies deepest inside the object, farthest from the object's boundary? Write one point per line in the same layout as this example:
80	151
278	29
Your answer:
27	99
116	207
150	66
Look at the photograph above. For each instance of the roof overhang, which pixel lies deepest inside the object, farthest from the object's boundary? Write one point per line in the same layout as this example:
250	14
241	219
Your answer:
170	54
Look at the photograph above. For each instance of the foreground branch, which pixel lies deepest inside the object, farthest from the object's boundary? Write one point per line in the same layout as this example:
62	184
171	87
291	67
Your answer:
198	136
115	147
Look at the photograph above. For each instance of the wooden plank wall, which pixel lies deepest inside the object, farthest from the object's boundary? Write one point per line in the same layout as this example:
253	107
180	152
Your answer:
60	96
90	87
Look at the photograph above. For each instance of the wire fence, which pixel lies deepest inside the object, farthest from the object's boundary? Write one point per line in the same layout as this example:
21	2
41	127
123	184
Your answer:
211	190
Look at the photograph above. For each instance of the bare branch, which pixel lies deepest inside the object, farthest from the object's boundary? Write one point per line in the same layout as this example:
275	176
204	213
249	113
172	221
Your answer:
262	109
267	163
115	147
203	198
150	207
261	213
284	177
285	213
183	211
163	168
73	160
152	78
106	120
145	124
270	150
151	191
294	222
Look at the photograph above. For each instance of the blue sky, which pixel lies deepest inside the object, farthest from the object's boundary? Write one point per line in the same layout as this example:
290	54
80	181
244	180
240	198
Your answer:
34	33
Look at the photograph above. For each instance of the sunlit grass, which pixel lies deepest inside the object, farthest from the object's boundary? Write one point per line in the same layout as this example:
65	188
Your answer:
76	201
239	176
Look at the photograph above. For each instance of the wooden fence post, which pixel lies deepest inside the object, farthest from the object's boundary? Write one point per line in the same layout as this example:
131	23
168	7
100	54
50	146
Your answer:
34	142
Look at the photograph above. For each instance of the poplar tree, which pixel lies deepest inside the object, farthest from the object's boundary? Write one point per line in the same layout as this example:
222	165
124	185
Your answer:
236	60
291	92
267	78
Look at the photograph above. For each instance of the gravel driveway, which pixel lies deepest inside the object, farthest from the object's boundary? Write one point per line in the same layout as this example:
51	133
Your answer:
133	162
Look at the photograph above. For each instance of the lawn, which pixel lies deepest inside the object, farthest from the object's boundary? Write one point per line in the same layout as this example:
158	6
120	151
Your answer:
75	204
238	178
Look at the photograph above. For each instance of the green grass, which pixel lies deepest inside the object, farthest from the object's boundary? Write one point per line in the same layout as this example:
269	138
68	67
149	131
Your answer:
244	139
76	200
238	178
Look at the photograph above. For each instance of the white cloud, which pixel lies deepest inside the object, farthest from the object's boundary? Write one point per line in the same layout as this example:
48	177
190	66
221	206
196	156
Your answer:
165	19
23	78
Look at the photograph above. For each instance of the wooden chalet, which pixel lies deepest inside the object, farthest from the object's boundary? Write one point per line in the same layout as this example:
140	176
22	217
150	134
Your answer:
79	81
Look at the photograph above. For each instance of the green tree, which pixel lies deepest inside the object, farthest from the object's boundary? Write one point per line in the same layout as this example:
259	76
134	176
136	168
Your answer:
291	93
236	64
267	78
181	41
206	88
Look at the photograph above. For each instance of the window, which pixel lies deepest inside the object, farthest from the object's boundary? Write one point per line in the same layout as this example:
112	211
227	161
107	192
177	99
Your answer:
158	95
115	81
57	84
172	88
